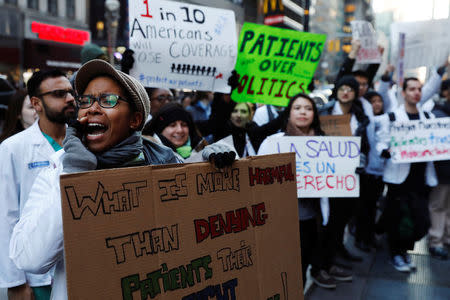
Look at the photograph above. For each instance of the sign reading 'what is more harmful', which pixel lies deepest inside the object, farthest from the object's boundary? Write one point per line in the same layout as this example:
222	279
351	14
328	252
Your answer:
180	45
274	64
420	140
183	232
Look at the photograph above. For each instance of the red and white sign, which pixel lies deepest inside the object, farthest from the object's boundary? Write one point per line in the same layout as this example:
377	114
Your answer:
325	166
60	34
364	32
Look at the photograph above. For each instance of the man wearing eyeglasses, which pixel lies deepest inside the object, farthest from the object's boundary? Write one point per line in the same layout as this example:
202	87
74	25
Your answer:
23	156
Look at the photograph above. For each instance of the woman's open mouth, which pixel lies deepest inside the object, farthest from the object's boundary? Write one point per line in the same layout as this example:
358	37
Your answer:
95	130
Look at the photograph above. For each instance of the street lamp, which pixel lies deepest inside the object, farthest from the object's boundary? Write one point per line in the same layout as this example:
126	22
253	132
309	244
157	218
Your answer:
112	17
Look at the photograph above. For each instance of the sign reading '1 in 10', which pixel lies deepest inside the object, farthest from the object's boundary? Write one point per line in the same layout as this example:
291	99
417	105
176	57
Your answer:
179	45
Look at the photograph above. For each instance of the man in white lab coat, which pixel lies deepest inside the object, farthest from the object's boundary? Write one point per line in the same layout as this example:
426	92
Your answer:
23	156
406	215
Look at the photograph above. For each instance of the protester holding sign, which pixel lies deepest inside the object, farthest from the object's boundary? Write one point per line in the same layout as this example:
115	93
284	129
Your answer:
301	118
342	210
235	120
406	213
364	77
112	109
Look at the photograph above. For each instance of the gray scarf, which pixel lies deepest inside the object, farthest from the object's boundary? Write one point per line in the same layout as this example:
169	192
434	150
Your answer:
126	153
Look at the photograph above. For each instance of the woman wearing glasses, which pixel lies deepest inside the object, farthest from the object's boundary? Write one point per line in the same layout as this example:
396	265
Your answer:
112	109
158	98
342	210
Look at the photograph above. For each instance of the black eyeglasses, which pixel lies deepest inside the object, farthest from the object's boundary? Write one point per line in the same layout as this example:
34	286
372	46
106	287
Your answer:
58	93
105	100
162	98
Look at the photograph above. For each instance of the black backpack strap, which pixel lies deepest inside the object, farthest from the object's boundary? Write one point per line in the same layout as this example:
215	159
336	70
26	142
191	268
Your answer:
391	116
270	113
427	115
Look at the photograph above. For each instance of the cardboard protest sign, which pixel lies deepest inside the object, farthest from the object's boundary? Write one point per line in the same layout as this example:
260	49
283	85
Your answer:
337	125
183	232
180	45
274	64
325	165
420	140
368	53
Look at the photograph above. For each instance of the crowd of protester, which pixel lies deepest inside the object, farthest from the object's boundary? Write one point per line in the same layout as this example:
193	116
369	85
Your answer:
104	118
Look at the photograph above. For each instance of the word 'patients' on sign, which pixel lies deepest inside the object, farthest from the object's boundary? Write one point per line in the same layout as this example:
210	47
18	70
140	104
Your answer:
364	32
325	166
275	64
183	46
184	232
420	140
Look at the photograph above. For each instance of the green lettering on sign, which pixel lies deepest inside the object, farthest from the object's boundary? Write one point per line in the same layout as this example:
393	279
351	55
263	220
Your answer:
274	64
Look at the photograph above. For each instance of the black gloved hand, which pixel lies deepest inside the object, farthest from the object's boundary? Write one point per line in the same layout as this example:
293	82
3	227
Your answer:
127	62
385	154
77	158
219	154
222	160
233	81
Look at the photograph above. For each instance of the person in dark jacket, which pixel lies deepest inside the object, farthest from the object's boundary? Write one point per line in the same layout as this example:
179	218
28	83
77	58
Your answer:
173	126
342	210
439	205
229	118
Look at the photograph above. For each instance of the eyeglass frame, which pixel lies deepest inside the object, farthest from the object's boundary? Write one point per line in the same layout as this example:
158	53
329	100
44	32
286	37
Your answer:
162	98
346	90
71	92
97	99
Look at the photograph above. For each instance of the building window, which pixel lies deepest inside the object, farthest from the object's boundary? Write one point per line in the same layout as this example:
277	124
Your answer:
70	8
13	2
52	7
33	4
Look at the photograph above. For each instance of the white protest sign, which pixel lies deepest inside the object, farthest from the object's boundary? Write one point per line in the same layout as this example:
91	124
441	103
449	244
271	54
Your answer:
368	53
180	45
420	140
325	166
427	42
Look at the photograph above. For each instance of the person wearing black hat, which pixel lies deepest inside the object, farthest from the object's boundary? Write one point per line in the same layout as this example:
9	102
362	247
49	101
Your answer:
341	210
173	126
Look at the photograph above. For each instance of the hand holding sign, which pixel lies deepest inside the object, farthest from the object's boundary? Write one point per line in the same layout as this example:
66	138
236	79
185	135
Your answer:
368	53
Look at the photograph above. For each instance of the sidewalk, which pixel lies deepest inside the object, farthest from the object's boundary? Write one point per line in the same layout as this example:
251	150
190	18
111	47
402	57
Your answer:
376	279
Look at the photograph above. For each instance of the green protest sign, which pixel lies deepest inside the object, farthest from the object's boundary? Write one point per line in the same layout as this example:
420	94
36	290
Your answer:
274	64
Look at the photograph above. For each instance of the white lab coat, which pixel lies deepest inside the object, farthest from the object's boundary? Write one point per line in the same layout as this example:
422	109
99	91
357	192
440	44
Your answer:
23	156
397	173
37	239
261	116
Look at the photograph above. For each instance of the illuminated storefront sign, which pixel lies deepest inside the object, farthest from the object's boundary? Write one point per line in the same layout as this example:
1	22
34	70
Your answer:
60	34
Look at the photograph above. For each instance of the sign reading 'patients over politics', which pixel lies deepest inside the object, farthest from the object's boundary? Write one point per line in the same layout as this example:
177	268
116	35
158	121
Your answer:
420	140
180	45
325	166
184	232
274	64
